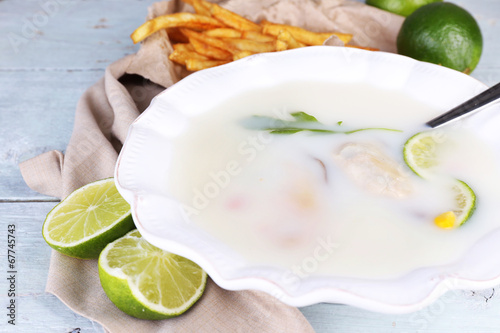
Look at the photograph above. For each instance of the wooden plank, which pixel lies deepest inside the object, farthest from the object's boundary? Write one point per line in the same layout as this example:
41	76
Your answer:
67	34
487	13
456	311
37	109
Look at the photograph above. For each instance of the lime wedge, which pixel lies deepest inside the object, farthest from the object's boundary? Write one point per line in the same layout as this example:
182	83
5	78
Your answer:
419	153
146	282
87	220
466	202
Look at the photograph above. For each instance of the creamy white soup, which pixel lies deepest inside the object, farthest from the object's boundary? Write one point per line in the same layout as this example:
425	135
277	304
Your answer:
342	204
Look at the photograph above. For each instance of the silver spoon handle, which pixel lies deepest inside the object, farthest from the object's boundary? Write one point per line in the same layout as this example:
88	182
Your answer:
472	104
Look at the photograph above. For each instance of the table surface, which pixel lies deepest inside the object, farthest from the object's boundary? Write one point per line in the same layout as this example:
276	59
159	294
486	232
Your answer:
50	52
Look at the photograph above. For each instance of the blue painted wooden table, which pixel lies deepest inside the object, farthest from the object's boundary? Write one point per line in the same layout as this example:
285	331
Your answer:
50	52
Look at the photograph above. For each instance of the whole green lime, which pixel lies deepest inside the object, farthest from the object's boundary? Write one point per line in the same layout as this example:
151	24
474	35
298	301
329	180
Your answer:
400	7
442	33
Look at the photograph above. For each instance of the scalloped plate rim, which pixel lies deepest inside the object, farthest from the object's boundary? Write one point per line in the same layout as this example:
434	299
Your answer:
332	295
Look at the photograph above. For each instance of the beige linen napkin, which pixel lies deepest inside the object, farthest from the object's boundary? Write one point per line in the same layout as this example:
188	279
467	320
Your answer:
103	116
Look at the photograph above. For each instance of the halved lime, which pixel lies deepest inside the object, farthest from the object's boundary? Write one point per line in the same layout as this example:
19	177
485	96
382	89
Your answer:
466	202
420	154
146	282
87	220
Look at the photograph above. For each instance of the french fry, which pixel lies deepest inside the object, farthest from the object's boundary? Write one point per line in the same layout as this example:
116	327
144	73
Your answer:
251	45
302	35
257	36
197	64
180	57
287	37
232	20
185	20
363	47
224	33
242	54
200	7
210	51
176	36
212	41
281	45
183	47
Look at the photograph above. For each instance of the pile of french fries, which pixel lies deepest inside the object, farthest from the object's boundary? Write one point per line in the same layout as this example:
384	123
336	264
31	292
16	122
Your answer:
213	36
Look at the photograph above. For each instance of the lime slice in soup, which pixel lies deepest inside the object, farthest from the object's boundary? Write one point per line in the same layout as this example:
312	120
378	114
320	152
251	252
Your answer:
420	152
466	202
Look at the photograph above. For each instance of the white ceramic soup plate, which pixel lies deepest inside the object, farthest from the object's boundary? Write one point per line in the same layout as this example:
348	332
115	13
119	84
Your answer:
147	153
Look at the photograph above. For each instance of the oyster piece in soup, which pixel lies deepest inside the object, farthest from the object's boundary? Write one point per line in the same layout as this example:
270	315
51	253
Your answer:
370	168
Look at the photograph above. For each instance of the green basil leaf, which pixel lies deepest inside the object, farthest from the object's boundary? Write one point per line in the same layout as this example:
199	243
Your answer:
303	117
